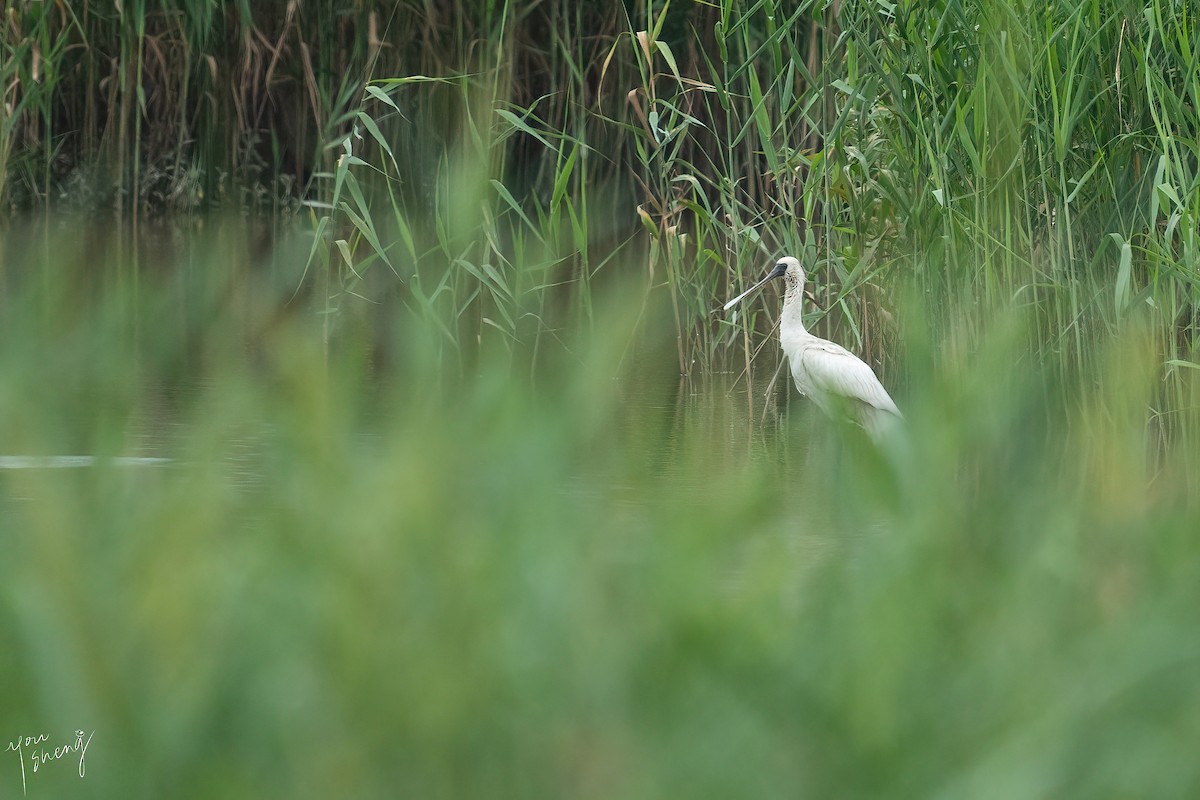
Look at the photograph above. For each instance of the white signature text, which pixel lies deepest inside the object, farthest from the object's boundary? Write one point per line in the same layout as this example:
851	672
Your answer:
38	751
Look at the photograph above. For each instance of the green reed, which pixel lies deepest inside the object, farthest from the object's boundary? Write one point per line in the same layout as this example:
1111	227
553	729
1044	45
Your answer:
981	152
494	159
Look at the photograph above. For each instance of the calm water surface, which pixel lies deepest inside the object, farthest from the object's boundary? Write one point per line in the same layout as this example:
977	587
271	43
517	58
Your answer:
180	289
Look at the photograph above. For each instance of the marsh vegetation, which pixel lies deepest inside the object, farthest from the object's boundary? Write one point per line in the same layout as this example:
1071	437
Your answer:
472	490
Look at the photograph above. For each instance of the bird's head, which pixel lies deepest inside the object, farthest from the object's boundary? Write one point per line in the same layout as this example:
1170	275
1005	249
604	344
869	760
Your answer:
787	267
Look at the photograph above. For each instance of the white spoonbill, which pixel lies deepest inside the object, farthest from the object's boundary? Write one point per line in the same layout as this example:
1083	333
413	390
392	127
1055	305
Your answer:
839	382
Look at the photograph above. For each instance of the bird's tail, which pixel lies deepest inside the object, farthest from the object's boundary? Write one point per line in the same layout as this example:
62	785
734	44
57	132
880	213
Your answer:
880	423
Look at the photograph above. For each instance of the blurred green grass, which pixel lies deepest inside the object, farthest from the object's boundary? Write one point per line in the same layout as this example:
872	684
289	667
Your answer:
367	573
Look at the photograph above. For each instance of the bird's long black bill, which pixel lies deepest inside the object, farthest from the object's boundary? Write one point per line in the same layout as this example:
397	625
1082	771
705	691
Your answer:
749	291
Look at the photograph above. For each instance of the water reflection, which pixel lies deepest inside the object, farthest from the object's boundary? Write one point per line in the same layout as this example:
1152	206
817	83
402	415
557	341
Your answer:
119	328
70	462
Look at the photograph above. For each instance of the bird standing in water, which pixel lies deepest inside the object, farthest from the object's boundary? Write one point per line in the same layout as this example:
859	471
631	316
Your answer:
839	382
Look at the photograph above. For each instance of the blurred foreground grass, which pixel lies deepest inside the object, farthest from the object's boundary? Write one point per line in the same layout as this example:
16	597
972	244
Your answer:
364	575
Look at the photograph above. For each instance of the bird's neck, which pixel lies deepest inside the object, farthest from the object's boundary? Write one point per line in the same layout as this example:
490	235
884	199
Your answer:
792	316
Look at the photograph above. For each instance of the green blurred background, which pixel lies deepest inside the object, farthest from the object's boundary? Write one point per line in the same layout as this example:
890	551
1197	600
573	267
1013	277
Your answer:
466	487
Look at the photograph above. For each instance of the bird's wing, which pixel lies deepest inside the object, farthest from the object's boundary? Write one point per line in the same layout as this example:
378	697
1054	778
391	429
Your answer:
839	372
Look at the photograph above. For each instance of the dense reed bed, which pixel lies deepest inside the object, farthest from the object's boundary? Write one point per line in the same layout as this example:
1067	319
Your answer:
494	156
981	153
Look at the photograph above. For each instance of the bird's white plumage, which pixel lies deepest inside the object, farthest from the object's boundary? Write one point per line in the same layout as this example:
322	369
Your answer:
839	382
823	368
